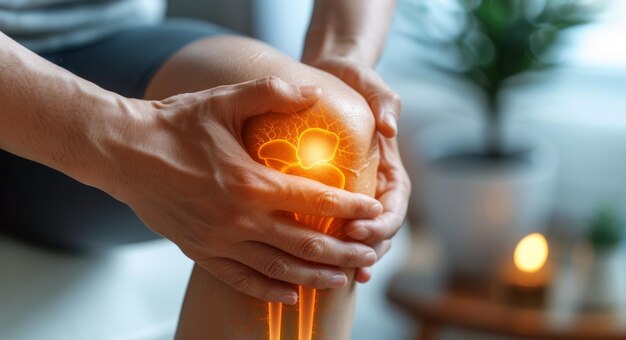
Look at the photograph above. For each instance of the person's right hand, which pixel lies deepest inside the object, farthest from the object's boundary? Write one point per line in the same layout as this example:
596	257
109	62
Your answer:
184	171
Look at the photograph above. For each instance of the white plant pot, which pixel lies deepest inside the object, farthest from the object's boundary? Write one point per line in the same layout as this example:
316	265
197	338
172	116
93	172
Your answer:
604	279
479	213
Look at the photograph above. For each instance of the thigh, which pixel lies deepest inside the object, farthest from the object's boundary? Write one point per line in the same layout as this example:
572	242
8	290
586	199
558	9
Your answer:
124	62
42	205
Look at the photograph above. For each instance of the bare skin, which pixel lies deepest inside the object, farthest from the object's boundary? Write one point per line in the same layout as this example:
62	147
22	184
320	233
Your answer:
166	160
239	316
346	39
165	156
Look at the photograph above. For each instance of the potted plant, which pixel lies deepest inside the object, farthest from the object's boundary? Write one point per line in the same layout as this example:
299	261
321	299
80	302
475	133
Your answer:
605	235
483	188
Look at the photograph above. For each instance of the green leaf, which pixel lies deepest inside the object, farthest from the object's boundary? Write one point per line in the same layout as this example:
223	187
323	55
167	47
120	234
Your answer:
606	228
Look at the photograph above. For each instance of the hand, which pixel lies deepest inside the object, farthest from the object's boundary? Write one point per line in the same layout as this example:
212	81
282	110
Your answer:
393	189
184	172
394	186
385	104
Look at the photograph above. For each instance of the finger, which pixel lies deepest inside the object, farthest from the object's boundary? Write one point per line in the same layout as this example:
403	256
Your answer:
374	231
385	104
363	275
304	243
279	265
249	281
386	108
385	226
303	195
382	248
261	96
393	197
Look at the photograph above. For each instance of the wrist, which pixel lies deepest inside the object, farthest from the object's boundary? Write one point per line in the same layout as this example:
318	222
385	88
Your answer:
110	132
322	45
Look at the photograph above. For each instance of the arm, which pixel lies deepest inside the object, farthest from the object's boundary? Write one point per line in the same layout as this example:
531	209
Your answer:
353	29
48	115
179	164
346	39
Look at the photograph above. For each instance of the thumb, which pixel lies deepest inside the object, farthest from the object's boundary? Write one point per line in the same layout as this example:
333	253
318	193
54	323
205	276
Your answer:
269	94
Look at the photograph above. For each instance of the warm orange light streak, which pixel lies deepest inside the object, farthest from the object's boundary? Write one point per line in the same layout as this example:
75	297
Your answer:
316	148
275	313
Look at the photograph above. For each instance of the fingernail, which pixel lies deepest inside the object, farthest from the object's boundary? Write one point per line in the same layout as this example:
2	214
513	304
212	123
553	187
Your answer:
338	281
391	122
360	233
370	258
289	299
308	90
376	209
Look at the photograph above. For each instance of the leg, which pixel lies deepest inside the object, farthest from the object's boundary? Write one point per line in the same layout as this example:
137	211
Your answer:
211	308
41	205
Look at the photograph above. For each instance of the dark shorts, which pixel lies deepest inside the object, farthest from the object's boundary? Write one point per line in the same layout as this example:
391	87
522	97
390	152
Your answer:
41	205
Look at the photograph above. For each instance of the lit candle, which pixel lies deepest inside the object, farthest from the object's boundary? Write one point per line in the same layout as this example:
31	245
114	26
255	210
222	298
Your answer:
527	275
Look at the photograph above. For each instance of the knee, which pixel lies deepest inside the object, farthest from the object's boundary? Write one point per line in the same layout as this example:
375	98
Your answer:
214	61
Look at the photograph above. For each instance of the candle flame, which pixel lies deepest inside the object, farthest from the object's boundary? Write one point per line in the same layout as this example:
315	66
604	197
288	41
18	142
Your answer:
531	253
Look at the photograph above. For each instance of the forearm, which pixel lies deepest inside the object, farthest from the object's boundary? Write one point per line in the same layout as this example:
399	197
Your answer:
53	117
354	29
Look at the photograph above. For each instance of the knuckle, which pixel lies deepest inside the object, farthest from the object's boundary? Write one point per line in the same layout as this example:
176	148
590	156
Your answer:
326	202
356	73
312	247
358	210
269	84
395	99
245	184
244	226
277	267
265	293
349	257
241	281
212	100
381	232
378	234
316	279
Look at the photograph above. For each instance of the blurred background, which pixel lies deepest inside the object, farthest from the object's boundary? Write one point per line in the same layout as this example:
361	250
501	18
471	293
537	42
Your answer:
514	124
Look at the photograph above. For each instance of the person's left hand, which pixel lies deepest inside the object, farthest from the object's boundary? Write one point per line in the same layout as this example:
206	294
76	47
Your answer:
393	186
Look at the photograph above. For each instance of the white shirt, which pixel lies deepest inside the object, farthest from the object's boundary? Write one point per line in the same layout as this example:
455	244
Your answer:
48	25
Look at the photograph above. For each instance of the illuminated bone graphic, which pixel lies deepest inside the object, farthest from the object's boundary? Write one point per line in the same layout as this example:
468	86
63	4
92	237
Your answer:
310	158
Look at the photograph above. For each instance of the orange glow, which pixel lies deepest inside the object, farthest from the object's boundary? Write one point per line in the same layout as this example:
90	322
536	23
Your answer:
316	146
278	154
275	314
531	253
310	159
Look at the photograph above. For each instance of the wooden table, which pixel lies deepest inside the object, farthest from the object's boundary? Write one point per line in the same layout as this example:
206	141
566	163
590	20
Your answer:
427	297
